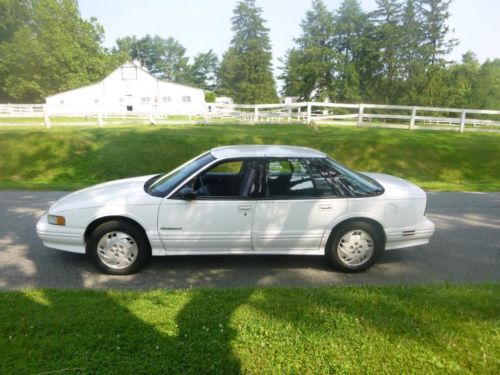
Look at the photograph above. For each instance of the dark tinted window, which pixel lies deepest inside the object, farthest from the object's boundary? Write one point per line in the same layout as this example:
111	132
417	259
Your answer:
229	179
288	178
349	183
316	177
166	184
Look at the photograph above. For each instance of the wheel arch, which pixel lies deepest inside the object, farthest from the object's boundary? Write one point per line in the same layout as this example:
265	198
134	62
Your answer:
104	219
376	224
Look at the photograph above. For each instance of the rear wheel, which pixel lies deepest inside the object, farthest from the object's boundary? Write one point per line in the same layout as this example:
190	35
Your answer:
118	248
355	247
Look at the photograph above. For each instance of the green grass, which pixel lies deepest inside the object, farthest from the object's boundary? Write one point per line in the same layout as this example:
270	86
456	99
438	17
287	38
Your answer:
70	158
418	329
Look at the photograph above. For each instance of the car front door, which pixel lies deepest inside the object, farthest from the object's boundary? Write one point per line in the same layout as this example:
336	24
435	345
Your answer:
216	213
297	206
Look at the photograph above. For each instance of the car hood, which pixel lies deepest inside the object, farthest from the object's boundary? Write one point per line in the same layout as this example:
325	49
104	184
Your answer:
126	192
397	188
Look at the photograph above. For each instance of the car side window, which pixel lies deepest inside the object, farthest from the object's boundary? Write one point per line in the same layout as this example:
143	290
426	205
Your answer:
288	178
324	179
230	179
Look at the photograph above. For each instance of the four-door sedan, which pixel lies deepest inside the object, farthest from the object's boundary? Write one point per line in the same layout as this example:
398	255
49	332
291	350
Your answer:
242	200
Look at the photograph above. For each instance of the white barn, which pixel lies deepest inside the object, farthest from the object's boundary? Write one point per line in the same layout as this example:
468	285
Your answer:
129	89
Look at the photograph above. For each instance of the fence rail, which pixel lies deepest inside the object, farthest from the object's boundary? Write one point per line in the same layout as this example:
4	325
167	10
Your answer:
410	117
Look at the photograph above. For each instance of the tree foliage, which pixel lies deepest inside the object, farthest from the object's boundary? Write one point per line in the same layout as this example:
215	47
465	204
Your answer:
165	58
47	47
204	70
395	54
246	73
310	66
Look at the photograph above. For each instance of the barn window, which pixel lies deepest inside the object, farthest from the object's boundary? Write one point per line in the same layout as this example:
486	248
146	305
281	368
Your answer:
166	99
145	99
61	101
96	101
186	99
129	73
120	100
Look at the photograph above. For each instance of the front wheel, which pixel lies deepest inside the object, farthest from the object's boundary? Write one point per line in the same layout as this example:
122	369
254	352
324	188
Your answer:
354	247
118	248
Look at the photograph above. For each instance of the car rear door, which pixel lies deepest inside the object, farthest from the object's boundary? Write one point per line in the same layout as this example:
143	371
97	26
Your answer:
294	212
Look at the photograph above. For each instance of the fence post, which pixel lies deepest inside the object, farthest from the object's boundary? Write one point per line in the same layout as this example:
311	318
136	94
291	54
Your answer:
360	115
152	120
99	118
412	120
46	117
308	119
205	113
256	114
462	121
289	114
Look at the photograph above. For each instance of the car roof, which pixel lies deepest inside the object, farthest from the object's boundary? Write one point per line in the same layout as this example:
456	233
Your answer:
252	151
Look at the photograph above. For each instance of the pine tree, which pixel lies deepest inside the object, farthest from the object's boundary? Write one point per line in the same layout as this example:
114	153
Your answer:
246	69
350	22
308	70
437	45
411	53
204	70
387	21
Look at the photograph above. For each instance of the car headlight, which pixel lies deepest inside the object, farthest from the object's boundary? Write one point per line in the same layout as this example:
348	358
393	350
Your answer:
56	220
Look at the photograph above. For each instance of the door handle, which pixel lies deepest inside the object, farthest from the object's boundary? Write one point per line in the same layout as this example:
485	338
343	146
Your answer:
245	208
325	206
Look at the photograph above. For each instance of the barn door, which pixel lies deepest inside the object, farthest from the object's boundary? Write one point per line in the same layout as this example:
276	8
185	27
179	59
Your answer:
129	103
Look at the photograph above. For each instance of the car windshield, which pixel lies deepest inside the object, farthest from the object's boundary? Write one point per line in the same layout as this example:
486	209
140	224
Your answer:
164	185
352	183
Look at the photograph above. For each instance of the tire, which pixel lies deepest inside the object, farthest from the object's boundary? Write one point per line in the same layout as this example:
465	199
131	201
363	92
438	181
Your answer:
118	248
354	247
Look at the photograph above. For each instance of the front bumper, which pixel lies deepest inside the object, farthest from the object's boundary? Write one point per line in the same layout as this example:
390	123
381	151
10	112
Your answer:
60	237
412	236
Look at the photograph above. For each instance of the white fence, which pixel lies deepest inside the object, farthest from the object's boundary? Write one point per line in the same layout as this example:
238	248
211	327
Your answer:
410	117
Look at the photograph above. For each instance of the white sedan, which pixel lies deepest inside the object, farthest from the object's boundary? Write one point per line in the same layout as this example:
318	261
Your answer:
242	200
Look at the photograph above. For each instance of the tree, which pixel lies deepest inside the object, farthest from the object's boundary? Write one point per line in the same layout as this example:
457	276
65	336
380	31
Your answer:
459	79
55	50
15	14
387	21
485	90
163	57
246	69
204	70
348	39
437	45
309	68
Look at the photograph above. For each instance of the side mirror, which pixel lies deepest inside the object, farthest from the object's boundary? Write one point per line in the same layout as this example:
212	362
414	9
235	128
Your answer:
187	193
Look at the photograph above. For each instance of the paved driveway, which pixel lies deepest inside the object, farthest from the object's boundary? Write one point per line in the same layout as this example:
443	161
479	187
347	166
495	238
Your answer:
465	248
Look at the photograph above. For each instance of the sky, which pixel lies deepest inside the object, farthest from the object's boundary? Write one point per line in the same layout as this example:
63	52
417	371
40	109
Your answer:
200	25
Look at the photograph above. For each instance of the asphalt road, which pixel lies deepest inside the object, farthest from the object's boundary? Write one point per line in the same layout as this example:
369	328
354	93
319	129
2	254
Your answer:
465	248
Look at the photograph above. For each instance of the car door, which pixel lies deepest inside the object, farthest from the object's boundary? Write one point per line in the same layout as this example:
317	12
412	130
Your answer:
219	218
296	208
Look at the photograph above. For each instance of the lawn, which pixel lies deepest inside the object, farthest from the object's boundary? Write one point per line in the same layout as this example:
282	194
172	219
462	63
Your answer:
417	329
68	158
